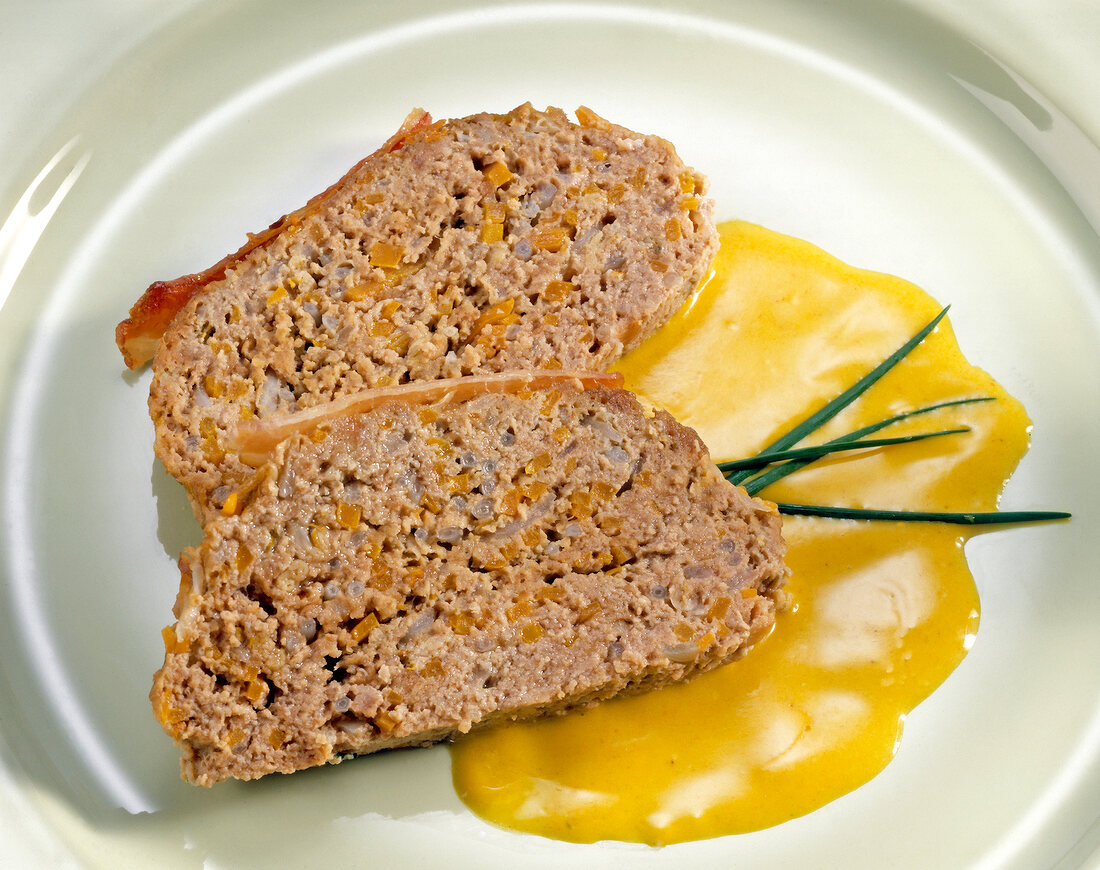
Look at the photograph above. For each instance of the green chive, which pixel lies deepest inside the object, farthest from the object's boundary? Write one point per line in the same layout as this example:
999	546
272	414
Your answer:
965	519
811	453
819	418
767	478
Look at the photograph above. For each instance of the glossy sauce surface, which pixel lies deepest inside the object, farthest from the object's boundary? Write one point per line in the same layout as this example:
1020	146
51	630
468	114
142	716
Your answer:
882	612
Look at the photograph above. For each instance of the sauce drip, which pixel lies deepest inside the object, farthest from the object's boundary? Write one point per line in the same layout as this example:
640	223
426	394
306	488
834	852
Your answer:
883	611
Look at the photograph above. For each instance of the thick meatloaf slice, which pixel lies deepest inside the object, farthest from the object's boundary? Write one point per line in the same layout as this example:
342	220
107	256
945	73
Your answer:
401	575
490	243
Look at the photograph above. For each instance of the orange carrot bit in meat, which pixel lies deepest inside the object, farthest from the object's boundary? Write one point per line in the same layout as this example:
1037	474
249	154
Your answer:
684	631
748	592
509	504
611	525
362	291
531	632
550	403
690	203
587	118
658	266
603	490
588	611
215	389
398	342
348	515
551	239
687	182
599	154
386	255
538	464
492	233
232	505
211	449
380	579
495	562
380	328
385	722
460	622
494	212
619	555
557	291
533	490
580	505
719	607
172	644
523	607
672	230
495	312
255	691
442	447
364	627
318	536
433	667
243	558
497	174
276	738
278	296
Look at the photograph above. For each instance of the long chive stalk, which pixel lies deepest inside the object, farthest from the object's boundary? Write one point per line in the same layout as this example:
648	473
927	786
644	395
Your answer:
823	415
770	476
810	453
966	519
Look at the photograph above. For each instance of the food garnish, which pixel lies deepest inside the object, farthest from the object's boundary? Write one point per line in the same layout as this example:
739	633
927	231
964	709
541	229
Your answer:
788	459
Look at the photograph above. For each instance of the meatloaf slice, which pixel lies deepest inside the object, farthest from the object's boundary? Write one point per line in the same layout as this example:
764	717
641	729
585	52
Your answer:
490	243
400	575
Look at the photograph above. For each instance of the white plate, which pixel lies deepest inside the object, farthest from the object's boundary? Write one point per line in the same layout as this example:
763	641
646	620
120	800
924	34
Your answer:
874	130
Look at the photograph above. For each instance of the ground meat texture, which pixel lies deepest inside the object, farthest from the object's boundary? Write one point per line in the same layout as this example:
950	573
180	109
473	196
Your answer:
495	242
405	574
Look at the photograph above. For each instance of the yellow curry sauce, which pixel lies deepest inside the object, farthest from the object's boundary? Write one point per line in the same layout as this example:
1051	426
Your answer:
882	611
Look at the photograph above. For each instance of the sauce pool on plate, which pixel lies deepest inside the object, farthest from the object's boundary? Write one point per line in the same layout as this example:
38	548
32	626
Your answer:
882	612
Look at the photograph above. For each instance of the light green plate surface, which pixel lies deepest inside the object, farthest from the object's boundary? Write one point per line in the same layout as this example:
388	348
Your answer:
878	131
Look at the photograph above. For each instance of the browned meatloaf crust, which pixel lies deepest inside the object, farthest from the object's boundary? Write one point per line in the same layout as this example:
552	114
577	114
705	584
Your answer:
398	576
489	243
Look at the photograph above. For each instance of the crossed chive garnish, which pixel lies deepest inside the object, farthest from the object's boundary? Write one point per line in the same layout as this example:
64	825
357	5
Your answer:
781	457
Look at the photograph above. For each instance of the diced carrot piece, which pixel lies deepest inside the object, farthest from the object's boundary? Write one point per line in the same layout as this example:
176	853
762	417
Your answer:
497	174
386	255
348	515
491	232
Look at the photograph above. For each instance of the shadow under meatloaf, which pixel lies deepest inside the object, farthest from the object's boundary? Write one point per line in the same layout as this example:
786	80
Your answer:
404	574
489	243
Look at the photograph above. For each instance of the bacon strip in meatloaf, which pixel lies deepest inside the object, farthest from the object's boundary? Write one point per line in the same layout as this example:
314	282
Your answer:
401	575
490	243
